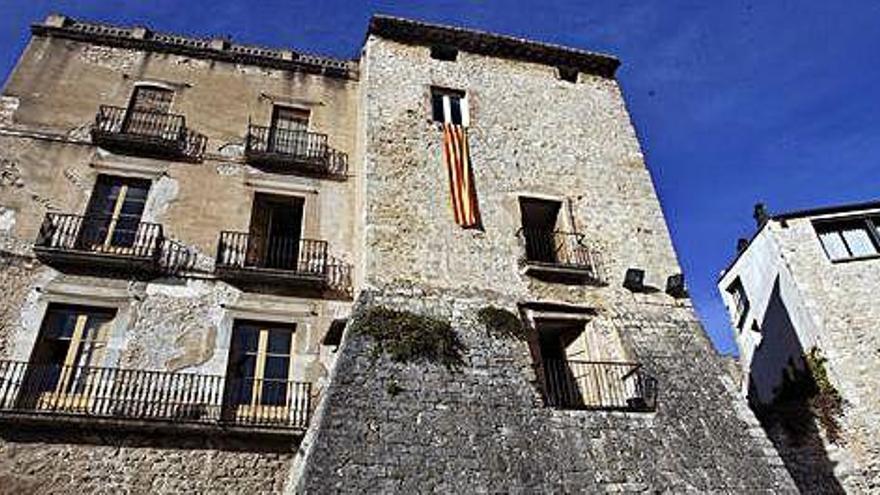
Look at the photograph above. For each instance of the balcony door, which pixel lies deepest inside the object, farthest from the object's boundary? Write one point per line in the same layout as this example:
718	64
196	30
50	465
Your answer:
539	218
113	216
583	365
146	113
275	233
287	132
63	372
259	376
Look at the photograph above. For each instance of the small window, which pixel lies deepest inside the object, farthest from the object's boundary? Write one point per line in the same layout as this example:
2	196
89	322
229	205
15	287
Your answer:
740	302
569	74
444	52
449	106
848	239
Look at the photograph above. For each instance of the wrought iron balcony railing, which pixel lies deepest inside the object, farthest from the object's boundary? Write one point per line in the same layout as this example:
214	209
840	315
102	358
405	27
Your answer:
152	396
570	384
294	150
148	133
291	256
561	252
67	237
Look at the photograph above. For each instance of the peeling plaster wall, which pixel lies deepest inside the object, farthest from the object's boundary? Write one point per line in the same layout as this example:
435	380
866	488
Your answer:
184	323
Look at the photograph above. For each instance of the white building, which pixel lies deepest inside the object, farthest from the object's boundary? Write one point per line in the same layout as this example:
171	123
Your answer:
810	279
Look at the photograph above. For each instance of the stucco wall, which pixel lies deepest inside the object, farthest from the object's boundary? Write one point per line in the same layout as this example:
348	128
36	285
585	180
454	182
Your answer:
181	323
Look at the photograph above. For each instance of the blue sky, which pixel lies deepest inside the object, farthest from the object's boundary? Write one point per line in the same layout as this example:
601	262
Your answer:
735	101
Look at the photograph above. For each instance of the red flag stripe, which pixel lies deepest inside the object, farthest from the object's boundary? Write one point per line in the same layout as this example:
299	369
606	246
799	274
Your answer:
462	194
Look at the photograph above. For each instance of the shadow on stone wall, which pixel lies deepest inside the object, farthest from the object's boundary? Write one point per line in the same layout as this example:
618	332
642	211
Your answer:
789	418
177	439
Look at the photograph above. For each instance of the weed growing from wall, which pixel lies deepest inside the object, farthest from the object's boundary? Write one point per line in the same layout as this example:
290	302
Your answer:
501	323
408	337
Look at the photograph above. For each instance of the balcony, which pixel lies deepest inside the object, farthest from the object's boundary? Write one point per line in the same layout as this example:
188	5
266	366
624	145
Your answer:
611	386
293	151
152	134
80	394
560	257
302	263
68	239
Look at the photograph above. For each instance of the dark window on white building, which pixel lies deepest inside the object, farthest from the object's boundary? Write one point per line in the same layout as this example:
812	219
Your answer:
740	302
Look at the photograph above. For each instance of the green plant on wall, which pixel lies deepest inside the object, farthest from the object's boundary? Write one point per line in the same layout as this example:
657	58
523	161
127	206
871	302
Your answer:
806	394
409	337
501	323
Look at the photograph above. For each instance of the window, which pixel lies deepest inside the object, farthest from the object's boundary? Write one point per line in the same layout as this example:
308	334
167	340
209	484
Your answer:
151	99
260	369
68	351
113	216
444	52
449	106
740	302
147	110
287	133
276	228
539	218
848	239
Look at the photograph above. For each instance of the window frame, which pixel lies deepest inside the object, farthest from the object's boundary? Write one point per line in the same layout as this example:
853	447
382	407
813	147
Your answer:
870	223
446	95
257	405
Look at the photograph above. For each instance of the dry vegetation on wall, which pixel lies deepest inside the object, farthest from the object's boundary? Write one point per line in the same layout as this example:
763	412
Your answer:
408	337
807	395
502	323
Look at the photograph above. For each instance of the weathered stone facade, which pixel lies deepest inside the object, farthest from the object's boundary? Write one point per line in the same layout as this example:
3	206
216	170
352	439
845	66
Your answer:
389	427
486	427
800	299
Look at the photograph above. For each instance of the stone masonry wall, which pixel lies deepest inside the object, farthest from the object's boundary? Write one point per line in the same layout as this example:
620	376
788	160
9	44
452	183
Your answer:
484	429
842	300
63	462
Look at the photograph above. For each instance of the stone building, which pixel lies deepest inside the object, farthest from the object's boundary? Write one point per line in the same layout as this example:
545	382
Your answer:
804	286
209	247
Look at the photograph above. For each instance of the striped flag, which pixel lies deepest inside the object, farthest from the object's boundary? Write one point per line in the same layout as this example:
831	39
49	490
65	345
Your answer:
462	193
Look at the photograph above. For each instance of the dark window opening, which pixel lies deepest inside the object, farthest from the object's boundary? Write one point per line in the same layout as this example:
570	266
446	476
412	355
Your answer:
275	231
151	99
448	106
67	355
259	370
740	302
574	374
287	133
113	215
141	117
539	219
444	52
569	74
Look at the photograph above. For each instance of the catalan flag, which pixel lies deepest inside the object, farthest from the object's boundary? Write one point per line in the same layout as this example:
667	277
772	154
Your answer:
462	193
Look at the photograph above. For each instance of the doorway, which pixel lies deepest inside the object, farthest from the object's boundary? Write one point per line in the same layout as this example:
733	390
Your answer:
276	231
